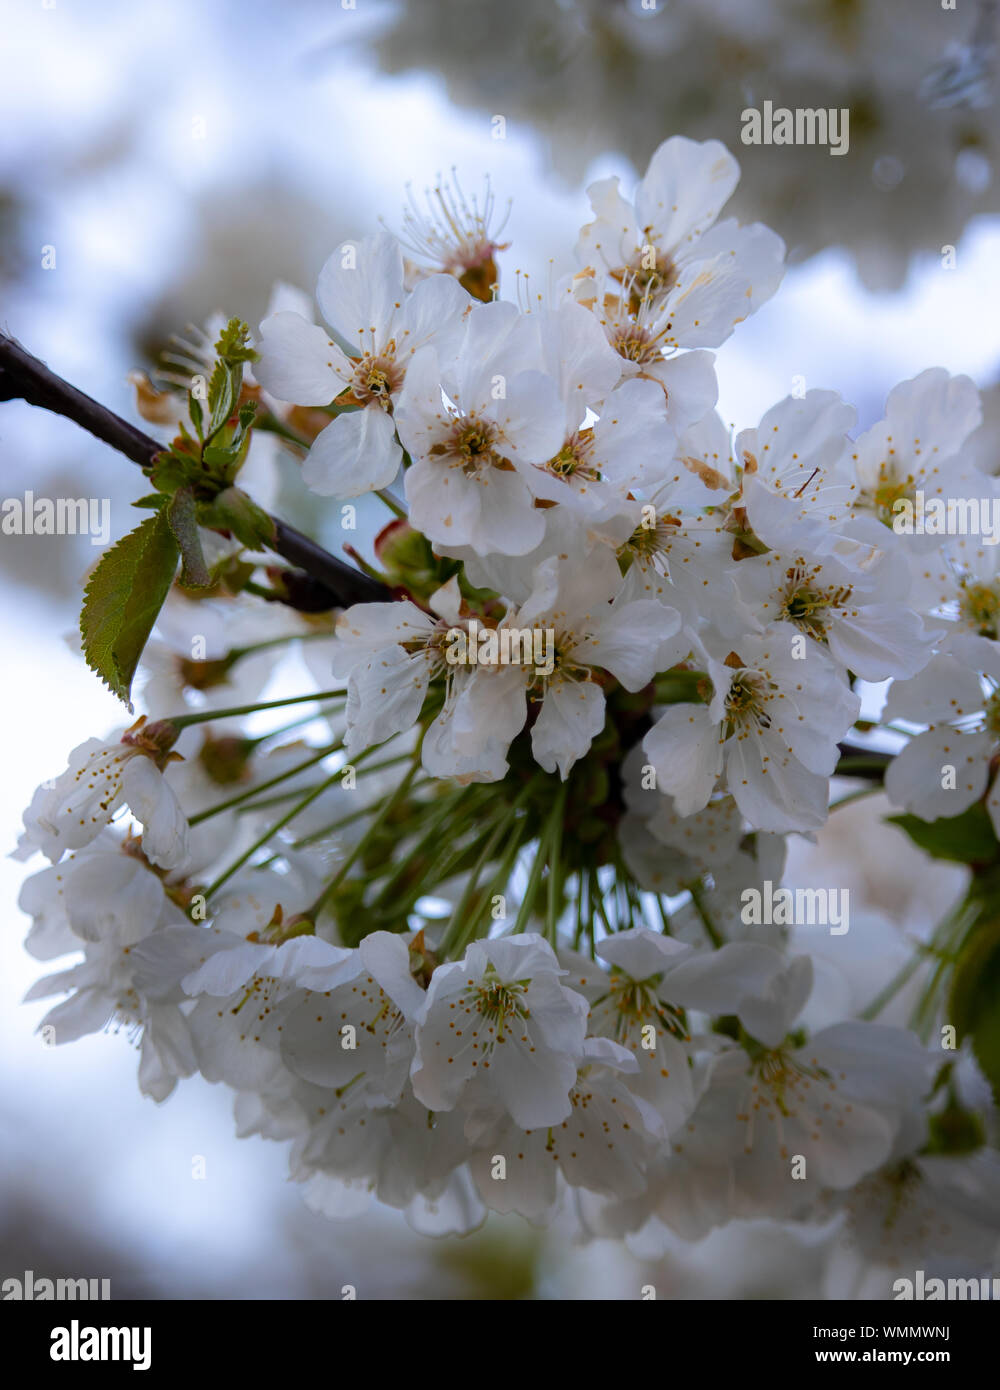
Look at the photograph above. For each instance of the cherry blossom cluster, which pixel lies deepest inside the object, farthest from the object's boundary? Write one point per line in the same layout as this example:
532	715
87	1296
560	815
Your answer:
467	934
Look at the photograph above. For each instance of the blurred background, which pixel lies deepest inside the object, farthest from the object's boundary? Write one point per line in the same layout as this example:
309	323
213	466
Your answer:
160	161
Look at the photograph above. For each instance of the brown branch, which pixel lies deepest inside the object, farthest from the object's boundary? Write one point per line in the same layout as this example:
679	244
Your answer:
867	764
25	377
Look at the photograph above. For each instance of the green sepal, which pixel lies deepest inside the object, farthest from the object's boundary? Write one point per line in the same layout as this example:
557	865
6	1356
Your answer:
232	510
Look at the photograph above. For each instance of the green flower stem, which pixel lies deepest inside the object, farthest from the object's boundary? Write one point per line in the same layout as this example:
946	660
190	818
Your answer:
711	930
889	992
555	867
272	425
388	806
213	888
442	809
578	932
664	915
458	933
264	786
498	884
949	940
445	865
369	809
862	763
391	502
237	653
859	795
538	864
296	723
679	687
184	721
596	897
276	800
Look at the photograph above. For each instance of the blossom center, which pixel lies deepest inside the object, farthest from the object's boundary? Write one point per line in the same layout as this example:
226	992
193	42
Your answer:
806	604
979	606
500	1001
745	704
472	447
377	377
574	458
890	489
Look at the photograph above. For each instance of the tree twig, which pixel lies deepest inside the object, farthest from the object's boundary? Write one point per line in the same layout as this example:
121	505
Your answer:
24	377
866	764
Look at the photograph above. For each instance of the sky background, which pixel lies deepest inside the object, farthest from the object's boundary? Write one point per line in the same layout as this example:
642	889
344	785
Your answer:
179	158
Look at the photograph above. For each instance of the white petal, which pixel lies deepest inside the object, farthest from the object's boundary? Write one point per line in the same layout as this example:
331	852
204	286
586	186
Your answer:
360	290
684	749
356	453
572	716
917	779
298	362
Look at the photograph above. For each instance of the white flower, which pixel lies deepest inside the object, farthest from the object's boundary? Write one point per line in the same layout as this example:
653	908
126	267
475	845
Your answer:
673	546
389	653
104	995
797	488
598	462
840	607
600	465
359	1032
654	979
946	768
467	485
361	296
630	639
772	727
401	1154
926	1207
103	892
455	235
501	1017
915	448
704	279
604	1145
836	1103
238	978
102	776
218	629
666	851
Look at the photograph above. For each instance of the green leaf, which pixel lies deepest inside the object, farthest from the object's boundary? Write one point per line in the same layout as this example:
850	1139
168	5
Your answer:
233	350
171	470
974	998
986	1040
233	344
197	414
182	518
122	600
223	391
964	839
153	501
